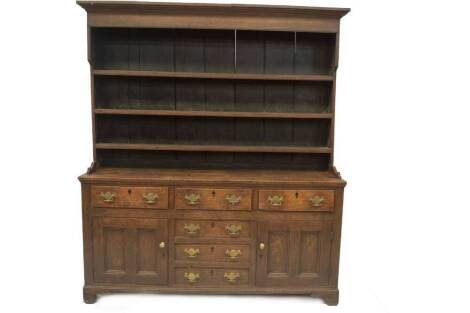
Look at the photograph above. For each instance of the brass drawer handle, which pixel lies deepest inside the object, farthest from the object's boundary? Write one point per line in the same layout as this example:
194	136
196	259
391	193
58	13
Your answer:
162	245
192	277
150	197
192	198
191	252
317	200
192	229
261	246
108	196
276	200
233	230
231	277
233	254
233	199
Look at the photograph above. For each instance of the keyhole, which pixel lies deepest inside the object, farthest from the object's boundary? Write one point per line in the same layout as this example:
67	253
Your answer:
212	224
129	191
296	195
212	249
213	193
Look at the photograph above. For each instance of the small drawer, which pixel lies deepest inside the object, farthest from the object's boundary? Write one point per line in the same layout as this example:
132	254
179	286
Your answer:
296	200
213	199
130	197
211	277
212	229
213	253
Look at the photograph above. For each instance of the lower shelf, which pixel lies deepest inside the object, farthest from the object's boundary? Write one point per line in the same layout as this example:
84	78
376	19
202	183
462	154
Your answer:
211	148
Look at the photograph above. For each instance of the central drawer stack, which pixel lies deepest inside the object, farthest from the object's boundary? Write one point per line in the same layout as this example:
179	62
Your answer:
210	250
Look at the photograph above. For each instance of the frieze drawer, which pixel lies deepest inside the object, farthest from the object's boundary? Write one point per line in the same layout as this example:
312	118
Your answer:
296	200
213	199
130	197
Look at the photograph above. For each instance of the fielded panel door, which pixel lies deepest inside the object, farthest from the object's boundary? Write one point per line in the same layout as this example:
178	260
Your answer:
127	250
293	253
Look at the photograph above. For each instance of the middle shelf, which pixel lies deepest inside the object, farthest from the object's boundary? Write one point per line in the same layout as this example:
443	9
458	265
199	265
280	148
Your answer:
189	94
238	134
236	76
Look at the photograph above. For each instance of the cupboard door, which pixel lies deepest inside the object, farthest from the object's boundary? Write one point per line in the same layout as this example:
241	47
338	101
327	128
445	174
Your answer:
293	253
130	250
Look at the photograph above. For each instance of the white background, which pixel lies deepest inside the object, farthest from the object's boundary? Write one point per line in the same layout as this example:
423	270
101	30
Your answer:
402	143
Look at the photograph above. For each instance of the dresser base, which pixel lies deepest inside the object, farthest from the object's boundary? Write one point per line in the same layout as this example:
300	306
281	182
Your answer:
133	245
330	296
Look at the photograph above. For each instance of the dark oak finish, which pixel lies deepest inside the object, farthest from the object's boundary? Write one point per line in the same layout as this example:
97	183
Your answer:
213	132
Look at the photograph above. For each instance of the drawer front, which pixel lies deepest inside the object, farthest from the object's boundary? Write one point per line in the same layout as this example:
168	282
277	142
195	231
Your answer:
212	229
211	277
296	200
130	197
213	199
213	253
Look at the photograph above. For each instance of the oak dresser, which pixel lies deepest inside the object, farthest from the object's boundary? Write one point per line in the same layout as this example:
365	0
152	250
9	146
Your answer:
213	130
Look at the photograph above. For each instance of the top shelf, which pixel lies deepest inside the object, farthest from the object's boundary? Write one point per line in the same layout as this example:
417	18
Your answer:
285	77
219	54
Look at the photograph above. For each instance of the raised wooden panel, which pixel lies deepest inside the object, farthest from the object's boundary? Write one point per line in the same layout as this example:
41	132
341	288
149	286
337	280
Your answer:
126	250
309	254
278	254
296	200
146	252
213	199
115	250
294	253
